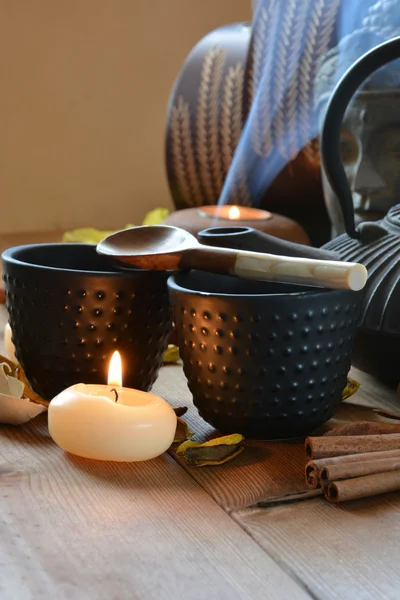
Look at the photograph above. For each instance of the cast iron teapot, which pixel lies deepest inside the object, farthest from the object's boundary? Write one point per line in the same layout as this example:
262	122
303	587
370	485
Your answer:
374	244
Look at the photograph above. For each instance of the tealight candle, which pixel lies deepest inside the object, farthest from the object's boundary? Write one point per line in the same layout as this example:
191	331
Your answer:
110	422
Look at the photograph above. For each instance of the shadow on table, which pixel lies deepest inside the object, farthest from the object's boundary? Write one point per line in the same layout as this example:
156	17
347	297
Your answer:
150	474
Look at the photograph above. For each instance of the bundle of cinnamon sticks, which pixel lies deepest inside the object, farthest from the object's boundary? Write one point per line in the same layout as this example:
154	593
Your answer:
349	467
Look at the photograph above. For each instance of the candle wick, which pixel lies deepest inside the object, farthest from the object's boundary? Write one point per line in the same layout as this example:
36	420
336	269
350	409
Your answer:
116	394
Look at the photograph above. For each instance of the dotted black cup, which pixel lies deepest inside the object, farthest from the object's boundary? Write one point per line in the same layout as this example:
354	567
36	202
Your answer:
267	360
71	308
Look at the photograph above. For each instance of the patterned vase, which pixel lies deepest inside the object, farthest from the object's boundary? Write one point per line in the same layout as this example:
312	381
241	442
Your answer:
209	104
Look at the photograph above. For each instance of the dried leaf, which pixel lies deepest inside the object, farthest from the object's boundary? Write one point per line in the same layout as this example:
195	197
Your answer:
226	440
350	389
197	457
155	216
15	409
18	372
9	384
88	235
182	432
214	452
180	411
28	391
171	354
13	366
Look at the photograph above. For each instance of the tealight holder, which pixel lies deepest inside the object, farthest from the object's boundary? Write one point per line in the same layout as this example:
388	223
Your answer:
203	217
70	309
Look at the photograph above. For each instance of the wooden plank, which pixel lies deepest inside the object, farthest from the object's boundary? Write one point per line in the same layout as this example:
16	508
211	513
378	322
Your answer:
79	529
260	473
255	473
265	469
342	552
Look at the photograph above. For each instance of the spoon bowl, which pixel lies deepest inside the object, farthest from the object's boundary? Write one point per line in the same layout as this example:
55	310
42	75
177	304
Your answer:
155	248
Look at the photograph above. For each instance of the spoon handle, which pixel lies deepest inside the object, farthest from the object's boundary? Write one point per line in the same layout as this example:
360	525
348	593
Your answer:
332	274
306	271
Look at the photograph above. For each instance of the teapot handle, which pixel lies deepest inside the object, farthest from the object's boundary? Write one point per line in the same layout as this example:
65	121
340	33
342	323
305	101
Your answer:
363	68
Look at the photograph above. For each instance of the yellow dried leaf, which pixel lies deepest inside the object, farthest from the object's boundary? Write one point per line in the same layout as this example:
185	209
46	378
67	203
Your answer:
225	440
91	235
182	432
156	216
214	452
212	463
88	235
171	354
188	444
350	389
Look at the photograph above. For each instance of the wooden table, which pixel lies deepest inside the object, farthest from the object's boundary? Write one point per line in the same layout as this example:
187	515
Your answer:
79	529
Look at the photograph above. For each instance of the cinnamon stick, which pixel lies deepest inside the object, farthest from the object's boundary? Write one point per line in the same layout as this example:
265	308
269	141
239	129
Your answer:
363	487
358	469
312	473
314	467
364	428
325	447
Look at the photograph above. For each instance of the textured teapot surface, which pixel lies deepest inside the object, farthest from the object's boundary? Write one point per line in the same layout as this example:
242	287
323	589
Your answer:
380	308
375	245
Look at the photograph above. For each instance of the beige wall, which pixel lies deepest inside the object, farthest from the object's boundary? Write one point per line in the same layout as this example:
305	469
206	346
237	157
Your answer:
84	89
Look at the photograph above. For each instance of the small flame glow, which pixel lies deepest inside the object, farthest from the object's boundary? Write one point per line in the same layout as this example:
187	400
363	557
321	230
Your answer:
234	213
115	370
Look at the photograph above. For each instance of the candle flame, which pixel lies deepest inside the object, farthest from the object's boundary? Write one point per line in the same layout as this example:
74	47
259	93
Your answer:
234	213
115	370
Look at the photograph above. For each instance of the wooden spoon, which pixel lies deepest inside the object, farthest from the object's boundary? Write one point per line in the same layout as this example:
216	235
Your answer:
163	248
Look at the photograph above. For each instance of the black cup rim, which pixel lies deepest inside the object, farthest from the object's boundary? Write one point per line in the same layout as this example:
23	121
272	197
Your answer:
229	231
175	285
9	257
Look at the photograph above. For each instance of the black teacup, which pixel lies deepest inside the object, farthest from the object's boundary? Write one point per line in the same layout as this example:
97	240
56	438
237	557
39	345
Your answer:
71	308
264	359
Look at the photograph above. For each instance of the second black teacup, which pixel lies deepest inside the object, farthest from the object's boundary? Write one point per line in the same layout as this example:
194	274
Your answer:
264	359
70	309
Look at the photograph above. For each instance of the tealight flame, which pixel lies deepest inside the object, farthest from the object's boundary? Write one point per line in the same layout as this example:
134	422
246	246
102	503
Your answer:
115	370
234	213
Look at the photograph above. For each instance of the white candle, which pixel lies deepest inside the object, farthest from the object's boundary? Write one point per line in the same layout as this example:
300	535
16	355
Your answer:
9	347
110	422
